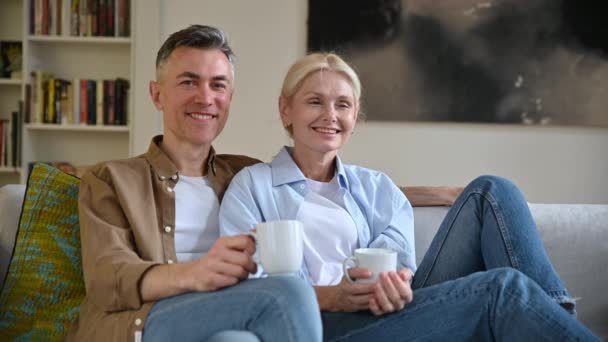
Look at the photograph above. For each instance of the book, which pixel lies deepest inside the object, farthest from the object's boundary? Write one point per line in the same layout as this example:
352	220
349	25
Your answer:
49	116
16	137
84	102
76	100
121	94
74	18
99	105
2	142
91	102
82	18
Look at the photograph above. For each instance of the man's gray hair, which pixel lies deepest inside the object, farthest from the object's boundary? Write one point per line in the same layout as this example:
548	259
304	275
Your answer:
195	36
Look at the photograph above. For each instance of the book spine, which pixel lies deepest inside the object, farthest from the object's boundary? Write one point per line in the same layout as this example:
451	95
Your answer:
52	17
91	102
111	102
82	18
64	104
66	17
8	146
76	97
50	104
27	111
2	143
84	102
99	104
111	4
32	17
74	18
101	18
15	118
68	113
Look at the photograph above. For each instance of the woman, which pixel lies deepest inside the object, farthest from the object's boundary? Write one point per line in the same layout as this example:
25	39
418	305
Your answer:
485	276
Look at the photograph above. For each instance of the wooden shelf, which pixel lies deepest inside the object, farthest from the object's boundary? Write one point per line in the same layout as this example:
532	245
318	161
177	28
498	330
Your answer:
5	169
81	128
70	39
10	81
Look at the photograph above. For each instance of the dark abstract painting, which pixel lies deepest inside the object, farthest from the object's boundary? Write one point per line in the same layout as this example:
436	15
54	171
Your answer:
537	62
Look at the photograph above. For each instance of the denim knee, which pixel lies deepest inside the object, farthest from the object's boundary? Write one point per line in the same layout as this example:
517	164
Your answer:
515	283
296	299
508	277
492	183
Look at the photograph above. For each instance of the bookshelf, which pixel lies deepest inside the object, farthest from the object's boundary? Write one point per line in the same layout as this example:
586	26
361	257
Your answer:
87	56
9	82
11	29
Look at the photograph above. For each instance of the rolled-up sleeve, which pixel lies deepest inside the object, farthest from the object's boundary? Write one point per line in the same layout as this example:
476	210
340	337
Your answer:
393	223
111	265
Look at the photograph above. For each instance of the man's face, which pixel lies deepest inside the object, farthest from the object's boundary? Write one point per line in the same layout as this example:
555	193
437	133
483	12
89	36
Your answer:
193	90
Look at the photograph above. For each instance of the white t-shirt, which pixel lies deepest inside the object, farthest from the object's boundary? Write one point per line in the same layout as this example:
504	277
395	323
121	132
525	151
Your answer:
330	234
196	217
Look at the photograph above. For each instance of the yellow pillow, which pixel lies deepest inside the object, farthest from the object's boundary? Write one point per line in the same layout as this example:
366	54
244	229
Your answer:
44	286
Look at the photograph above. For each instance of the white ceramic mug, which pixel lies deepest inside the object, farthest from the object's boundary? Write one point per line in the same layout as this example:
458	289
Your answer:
376	260
279	246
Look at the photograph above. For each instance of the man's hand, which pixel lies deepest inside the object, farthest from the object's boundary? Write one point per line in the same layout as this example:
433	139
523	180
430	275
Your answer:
346	296
392	292
227	262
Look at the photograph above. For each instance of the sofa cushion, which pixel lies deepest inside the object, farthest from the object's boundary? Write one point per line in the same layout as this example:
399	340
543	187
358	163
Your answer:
44	287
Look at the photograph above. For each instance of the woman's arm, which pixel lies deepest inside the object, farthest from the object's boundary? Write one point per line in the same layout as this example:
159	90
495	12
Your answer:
240	210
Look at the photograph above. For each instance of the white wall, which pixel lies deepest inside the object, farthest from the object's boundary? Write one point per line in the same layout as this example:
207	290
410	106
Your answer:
566	165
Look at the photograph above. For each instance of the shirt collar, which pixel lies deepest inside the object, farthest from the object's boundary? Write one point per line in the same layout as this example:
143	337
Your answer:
285	170
163	166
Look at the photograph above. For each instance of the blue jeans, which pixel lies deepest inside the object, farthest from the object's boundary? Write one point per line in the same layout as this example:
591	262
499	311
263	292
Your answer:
486	276
281	308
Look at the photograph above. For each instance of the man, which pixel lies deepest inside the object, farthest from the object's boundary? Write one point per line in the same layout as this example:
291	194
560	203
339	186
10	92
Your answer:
154	265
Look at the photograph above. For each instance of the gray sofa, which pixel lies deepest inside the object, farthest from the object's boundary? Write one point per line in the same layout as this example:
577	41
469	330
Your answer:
576	238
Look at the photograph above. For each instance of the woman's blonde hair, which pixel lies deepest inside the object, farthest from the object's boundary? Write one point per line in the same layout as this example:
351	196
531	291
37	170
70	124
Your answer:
314	62
318	61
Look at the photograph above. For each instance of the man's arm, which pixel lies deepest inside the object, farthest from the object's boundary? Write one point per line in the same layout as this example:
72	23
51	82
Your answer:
426	196
227	262
116	276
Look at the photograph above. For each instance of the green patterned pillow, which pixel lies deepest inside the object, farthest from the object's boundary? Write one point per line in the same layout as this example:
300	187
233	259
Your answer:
44	286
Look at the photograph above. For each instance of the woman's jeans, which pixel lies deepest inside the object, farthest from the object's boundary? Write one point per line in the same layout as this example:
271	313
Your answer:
486	276
282	308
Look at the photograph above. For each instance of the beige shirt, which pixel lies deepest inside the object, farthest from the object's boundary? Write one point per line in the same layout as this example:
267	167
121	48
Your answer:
127	218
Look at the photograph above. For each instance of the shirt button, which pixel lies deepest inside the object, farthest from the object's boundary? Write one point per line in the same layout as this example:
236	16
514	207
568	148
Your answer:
168	229
302	186
137	321
169	189
169	261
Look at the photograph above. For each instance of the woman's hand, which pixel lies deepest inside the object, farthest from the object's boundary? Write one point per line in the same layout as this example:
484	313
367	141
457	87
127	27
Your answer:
392	292
347	296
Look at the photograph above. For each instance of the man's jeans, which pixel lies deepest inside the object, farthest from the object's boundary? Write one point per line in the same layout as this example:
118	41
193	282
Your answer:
486	276
282	308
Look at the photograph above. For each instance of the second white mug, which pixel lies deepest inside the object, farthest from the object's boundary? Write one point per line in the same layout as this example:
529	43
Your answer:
376	260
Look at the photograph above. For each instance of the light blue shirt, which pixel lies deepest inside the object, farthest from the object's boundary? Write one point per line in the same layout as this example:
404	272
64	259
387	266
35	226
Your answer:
274	191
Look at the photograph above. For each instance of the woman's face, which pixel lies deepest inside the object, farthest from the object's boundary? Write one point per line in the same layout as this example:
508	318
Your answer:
322	113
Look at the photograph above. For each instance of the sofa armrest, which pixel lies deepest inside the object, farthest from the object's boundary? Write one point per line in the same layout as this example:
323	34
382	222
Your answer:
576	239
11	199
